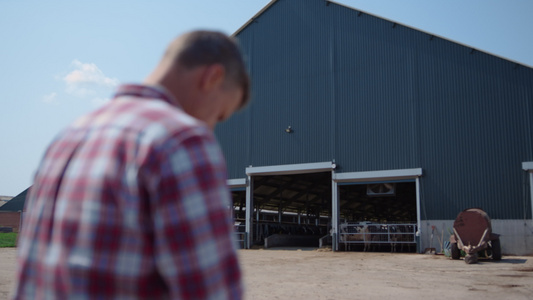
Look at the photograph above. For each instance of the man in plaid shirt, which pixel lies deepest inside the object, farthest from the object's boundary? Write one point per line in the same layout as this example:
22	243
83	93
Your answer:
130	201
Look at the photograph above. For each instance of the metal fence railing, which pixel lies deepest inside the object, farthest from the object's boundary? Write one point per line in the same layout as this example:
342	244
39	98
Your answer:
239	236
371	234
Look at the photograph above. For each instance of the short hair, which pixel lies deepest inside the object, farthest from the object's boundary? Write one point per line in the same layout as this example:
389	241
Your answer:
202	47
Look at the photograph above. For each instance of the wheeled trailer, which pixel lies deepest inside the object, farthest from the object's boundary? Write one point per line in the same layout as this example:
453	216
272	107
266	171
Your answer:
472	233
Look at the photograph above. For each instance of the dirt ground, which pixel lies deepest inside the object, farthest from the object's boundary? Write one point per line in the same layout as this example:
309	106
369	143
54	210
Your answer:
317	274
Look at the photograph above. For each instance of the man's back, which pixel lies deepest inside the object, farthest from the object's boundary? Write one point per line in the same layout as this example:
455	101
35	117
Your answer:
127	203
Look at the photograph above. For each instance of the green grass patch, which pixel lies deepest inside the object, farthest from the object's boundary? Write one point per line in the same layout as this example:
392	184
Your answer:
8	239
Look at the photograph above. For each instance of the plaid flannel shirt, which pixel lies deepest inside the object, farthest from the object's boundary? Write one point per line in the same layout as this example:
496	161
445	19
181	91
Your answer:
130	202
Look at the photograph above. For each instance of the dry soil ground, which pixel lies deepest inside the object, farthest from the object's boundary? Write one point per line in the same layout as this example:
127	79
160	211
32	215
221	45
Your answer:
311	274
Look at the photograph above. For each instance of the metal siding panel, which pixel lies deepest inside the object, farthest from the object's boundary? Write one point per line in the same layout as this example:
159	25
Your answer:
473	130
234	139
286	59
374	96
373	86
234	135
380	85
280	46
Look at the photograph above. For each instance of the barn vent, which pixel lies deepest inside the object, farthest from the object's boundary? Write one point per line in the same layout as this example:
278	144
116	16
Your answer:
381	189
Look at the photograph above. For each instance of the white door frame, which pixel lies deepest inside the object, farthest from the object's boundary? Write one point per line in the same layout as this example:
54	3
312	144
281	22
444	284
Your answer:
372	176
271	171
528	167
336	178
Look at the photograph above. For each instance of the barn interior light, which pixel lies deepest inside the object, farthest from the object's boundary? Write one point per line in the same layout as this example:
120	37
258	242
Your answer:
289	129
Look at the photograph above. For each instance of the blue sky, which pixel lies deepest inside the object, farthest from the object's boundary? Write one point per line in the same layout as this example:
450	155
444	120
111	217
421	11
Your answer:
61	59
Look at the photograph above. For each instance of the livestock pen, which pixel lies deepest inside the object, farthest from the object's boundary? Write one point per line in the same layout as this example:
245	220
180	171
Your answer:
377	237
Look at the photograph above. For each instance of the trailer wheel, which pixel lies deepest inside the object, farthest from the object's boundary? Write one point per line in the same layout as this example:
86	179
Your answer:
496	249
456	254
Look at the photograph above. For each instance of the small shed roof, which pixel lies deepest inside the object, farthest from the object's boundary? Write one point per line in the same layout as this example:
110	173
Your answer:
17	203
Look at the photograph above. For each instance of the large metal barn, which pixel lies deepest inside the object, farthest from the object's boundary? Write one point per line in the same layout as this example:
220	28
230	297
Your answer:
372	135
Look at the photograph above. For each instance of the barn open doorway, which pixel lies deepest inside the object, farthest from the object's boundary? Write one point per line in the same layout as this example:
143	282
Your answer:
291	209
286	200
238	195
312	200
379	216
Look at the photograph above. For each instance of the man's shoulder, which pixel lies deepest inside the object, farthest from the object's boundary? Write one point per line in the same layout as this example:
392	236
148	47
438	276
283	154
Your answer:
156	121
137	114
154	110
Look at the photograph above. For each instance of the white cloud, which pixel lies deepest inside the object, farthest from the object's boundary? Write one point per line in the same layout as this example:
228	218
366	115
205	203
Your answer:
99	101
88	80
51	98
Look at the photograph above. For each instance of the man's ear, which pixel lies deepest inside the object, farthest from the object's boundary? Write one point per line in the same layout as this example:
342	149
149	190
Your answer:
213	76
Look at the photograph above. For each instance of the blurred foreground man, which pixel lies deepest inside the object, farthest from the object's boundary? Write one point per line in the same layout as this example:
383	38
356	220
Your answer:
130	201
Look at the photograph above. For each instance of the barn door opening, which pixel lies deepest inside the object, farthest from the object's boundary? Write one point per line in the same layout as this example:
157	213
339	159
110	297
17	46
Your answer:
291	210
238	210
378	216
288	205
377	210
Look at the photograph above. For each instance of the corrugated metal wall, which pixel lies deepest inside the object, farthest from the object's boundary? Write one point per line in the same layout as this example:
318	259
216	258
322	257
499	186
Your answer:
290	88
373	95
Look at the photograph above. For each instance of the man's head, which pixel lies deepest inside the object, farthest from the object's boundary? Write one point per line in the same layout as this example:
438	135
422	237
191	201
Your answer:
205	72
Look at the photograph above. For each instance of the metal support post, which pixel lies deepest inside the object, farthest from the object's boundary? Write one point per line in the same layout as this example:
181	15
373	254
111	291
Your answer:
335	213
249	212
